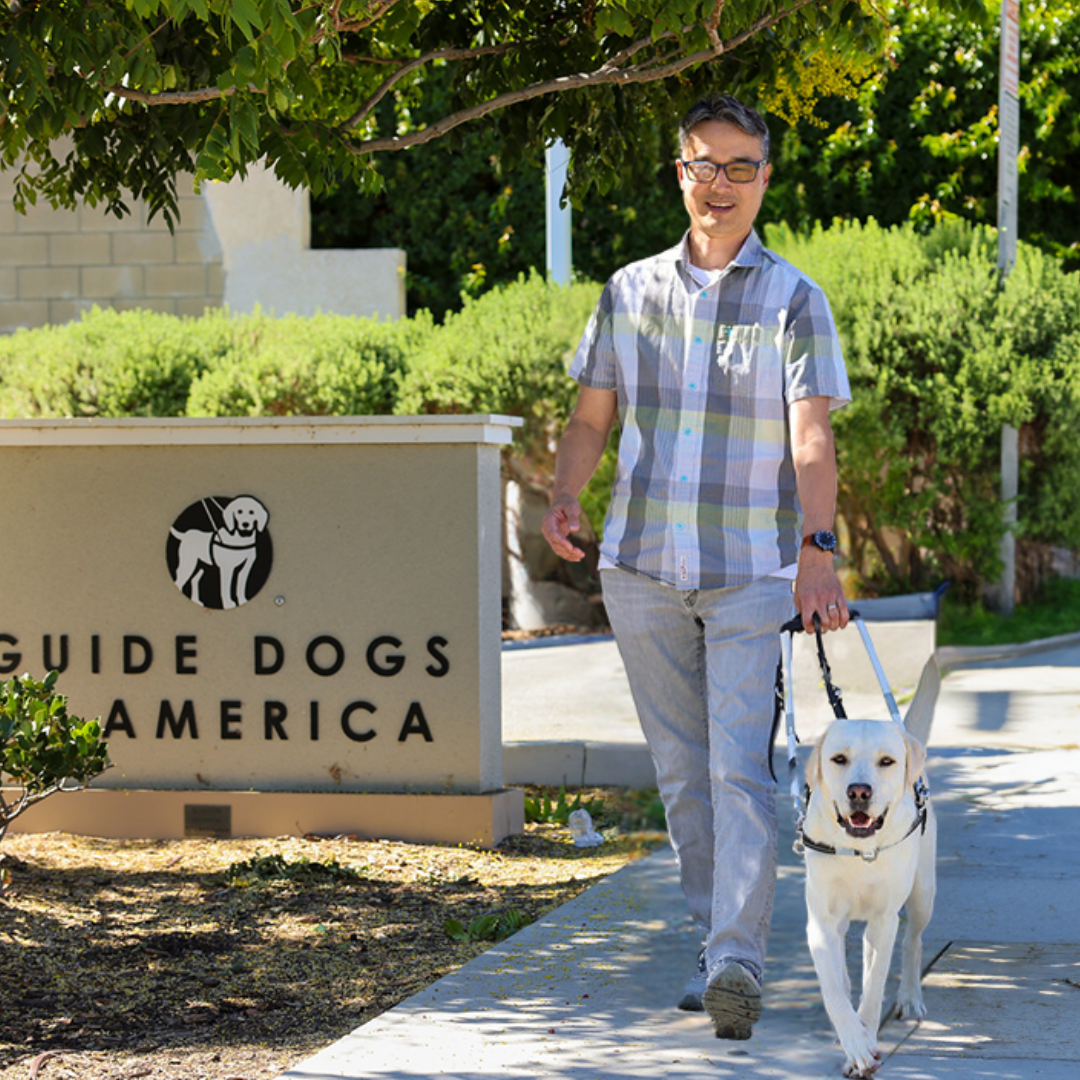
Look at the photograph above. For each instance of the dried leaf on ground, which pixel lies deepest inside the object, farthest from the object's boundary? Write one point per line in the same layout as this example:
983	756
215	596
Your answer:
233	960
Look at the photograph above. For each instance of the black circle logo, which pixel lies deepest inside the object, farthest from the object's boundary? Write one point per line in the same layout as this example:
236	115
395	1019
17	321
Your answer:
219	550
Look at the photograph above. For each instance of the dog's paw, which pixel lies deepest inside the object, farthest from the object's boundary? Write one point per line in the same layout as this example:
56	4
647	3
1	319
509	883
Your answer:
910	1006
856	1070
862	1054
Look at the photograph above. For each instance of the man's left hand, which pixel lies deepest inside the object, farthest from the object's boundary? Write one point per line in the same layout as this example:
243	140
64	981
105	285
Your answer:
818	592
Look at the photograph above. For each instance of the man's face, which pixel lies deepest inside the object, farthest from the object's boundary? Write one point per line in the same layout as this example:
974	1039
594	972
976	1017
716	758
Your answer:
722	210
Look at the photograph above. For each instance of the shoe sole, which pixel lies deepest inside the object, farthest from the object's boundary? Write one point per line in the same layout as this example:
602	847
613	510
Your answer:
733	1002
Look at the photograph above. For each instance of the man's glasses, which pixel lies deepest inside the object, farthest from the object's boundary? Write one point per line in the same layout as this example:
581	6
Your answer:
738	172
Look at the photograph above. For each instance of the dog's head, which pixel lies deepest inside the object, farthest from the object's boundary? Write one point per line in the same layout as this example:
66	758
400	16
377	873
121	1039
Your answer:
862	769
245	516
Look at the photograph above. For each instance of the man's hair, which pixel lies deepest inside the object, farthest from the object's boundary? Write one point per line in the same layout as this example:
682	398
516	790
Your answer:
728	110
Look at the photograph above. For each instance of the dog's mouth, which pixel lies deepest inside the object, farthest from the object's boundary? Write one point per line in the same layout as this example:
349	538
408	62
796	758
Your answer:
860	824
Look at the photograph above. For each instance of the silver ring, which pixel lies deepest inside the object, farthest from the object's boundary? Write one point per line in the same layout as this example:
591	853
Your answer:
833	607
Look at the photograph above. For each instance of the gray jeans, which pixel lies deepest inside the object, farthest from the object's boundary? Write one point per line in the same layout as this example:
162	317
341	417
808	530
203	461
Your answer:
701	666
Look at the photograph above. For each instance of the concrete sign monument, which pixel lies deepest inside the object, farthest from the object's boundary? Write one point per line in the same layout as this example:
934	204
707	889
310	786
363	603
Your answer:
285	625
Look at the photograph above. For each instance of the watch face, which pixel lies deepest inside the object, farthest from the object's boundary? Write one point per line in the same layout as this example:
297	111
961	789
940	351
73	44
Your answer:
825	540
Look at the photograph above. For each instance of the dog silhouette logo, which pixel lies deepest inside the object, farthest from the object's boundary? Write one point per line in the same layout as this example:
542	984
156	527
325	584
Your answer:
219	550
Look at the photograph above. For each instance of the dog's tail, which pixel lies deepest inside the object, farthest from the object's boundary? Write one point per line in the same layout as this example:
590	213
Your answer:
919	720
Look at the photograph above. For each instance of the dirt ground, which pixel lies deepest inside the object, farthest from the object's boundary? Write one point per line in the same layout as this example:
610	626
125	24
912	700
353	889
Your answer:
235	959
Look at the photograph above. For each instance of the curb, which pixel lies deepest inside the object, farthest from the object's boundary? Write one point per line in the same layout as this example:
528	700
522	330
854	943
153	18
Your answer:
952	656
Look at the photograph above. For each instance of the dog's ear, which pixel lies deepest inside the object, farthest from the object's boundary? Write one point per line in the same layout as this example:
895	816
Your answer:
916	758
814	778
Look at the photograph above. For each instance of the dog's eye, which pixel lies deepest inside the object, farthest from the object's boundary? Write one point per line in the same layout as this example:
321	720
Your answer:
885	762
839	759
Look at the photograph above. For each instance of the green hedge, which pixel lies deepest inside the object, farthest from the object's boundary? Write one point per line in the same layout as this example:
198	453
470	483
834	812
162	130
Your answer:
329	365
940	357
136	363
506	352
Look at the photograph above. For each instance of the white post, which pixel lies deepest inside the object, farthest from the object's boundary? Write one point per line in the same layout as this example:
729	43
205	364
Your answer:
559	250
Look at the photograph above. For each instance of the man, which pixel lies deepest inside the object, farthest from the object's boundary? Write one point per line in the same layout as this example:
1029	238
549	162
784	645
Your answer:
722	363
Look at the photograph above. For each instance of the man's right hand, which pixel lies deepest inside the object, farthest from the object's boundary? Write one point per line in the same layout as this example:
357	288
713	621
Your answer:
563	518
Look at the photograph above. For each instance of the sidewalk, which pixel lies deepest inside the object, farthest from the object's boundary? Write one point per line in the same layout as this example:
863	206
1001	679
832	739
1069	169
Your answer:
588	992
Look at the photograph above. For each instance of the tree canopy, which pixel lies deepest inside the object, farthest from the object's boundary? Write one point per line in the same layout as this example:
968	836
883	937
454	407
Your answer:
919	140
103	100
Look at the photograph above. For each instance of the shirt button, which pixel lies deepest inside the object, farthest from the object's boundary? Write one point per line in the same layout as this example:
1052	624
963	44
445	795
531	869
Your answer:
684	478
687	431
704	294
693	386
697	341
679	525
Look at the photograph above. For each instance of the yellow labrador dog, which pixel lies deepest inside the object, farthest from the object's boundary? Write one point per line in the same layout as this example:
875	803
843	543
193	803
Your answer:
870	839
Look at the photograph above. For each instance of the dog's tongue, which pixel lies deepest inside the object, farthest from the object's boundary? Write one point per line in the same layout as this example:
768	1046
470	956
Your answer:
860	820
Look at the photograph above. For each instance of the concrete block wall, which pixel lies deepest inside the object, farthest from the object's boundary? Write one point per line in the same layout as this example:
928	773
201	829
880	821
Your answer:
244	244
55	264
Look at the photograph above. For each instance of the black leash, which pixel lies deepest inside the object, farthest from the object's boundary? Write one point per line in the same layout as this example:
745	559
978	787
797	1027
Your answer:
795	626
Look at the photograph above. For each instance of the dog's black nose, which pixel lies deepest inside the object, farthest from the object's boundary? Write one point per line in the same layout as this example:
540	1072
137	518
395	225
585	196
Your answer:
859	794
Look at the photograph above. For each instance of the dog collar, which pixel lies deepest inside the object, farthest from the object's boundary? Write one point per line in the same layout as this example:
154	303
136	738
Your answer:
804	843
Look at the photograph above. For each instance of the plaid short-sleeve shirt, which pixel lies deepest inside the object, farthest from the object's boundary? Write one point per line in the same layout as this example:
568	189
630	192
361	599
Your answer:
705	368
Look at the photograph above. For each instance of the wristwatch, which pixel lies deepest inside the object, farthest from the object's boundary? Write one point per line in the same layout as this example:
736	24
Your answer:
822	539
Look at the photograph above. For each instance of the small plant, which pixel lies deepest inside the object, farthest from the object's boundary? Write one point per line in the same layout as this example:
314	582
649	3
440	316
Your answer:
495	927
644	810
43	749
543	809
262	869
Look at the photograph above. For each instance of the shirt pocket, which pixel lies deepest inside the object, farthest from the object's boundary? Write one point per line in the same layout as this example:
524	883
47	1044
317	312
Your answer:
748	360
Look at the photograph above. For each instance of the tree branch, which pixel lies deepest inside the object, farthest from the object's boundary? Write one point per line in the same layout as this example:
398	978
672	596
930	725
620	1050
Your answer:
171	97
411	65
605	75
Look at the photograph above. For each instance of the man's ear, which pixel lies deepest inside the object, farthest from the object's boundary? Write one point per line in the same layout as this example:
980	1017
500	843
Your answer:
766	172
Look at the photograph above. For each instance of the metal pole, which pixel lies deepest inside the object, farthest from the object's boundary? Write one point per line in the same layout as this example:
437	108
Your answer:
558	218
1008	184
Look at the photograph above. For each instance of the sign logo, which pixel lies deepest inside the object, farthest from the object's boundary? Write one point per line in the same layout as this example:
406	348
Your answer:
219	550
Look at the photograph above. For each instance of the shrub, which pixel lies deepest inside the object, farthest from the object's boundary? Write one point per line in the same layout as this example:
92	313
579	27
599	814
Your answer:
940	357
328	365
108	363
506	353
42	748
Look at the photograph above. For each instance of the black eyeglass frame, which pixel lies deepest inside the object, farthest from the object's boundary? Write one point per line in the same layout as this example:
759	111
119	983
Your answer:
718	169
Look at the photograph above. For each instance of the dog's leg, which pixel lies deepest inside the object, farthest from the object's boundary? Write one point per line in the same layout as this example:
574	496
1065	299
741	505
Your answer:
878	942
918	909
857	1040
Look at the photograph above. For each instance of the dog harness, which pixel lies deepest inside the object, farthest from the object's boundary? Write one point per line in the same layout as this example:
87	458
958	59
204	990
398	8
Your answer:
803	843
785	702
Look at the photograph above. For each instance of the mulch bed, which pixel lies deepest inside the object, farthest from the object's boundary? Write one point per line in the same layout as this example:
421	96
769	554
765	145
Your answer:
235	959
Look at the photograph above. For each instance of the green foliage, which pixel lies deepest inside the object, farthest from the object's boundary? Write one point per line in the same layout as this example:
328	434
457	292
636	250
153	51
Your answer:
543	809
43	749
939	359
136	363
1052	611
506	353
919	142
269	869
472	218
329	365
495	927
122	96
